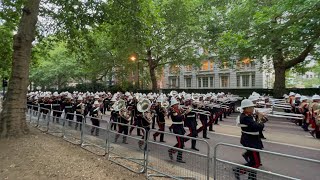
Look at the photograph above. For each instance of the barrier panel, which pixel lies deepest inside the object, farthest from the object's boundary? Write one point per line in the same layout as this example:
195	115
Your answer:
43	119
127	151
29	112
56	123
94	138
71	128
283	166
163	160
34	115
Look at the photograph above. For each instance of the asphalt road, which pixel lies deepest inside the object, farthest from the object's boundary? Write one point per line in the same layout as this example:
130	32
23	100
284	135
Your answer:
282	137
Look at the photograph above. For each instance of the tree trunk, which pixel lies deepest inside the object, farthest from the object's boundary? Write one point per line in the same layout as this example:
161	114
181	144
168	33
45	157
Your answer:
152	67
279	87
13	117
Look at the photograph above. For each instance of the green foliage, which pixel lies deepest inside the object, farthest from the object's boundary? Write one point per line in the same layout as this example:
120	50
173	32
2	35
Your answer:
56	68
257	29
5	51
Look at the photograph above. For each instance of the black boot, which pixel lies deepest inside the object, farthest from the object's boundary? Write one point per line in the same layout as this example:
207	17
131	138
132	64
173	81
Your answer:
124	140
179	157
116	137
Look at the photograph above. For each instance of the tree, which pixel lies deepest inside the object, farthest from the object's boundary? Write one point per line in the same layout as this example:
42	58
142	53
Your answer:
56	68
284	32
158	32
12	117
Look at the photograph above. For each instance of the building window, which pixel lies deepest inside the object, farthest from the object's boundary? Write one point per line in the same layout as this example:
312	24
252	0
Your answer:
238	80
188	82
174	69
205	81
224	81
307	76
173	82
211	81
252	64
253	80
188	68
245	80
211	65
199	82
205	66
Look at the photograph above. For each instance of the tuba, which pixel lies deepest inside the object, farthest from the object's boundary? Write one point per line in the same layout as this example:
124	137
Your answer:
144	106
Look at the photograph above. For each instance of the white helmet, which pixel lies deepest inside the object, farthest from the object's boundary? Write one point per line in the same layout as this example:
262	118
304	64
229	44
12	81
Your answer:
96	103
80	98
55	94
160	99
253	98
127	94
246	103
292	94
173	101
298	96
304	98
315	97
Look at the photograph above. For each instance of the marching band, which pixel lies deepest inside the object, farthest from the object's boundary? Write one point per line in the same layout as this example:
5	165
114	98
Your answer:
142	110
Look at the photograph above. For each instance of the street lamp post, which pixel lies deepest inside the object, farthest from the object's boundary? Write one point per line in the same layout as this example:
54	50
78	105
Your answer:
133	58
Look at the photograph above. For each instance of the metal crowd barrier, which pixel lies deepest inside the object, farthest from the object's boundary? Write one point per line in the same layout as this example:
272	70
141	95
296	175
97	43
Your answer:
55	126
95	143
146	155
159	163
70	128
227	169
126	151
43	119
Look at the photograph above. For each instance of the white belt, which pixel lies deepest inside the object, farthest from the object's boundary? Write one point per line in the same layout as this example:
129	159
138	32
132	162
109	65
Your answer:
55	104
251	133
47	104
191	115
177	122
68	106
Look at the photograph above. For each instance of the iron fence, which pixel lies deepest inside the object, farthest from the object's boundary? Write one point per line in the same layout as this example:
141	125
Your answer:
229	169
189	164
94	138
127	150
70	128
142	154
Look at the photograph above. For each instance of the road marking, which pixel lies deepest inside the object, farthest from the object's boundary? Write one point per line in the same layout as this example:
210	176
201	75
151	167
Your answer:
273	142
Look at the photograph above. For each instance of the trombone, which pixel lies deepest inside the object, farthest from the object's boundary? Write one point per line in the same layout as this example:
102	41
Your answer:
197	111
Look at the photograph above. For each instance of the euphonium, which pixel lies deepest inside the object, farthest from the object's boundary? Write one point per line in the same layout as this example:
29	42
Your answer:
144	106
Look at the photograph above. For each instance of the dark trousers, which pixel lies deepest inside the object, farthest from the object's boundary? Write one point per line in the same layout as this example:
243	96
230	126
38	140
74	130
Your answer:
205	125
180	140
136	123
161	128
153	122
123	129
79	121
145	136
193	132
253	160
95	122
113	125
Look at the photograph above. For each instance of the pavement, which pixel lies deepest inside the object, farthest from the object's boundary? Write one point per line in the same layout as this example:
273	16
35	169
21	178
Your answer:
282	135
